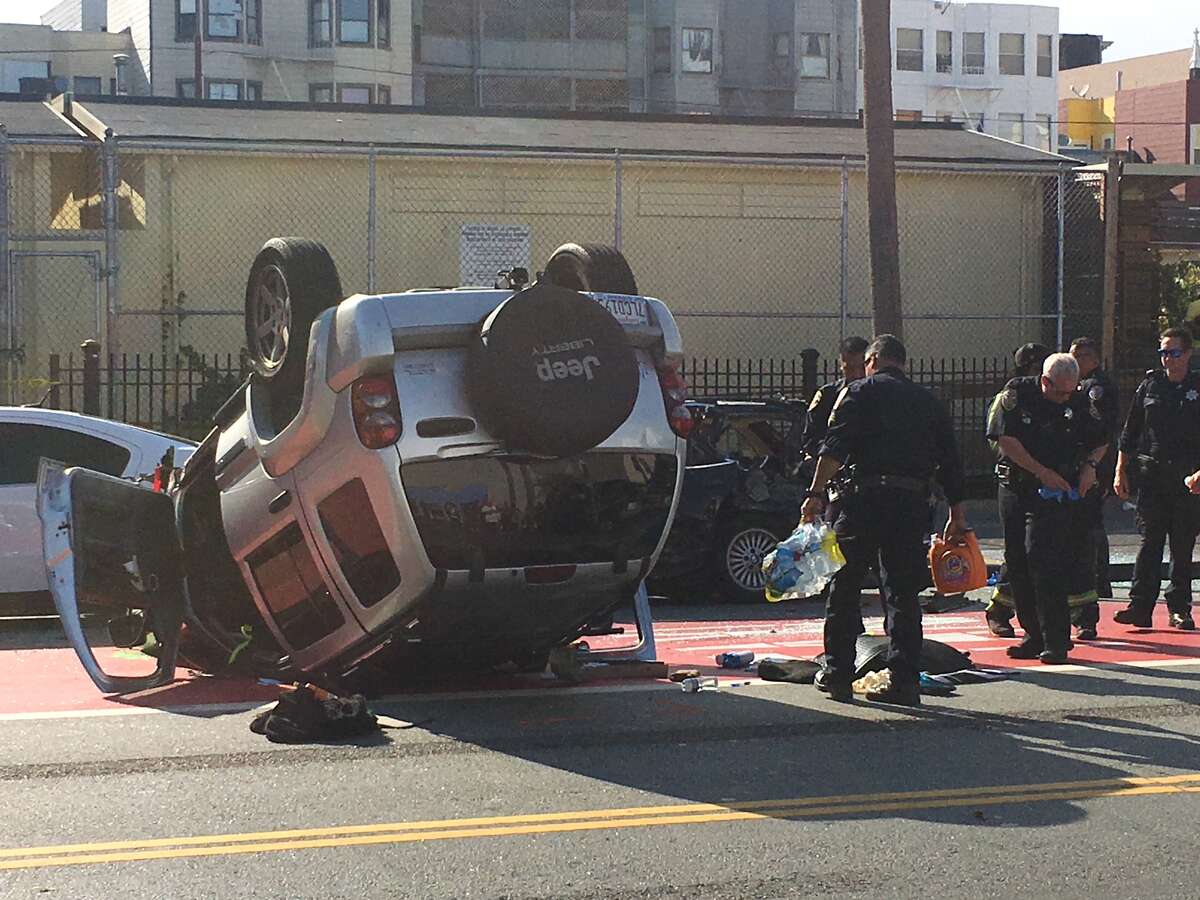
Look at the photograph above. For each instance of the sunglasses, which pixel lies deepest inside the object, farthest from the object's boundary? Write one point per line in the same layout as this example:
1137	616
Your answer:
1170	354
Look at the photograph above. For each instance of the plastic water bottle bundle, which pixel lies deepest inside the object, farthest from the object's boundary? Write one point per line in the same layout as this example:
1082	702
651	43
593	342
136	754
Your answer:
802	565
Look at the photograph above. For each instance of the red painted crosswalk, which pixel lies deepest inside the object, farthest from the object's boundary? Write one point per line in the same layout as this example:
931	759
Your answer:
50	681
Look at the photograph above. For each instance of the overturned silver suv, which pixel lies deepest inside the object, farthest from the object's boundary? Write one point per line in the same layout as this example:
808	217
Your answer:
477	470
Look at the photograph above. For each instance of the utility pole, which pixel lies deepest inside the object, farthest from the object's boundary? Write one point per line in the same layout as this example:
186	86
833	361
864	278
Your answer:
881	167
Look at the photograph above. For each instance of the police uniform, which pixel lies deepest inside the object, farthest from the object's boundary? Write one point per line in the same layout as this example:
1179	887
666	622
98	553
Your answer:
816	426
892	437
1162	434
1000	608
1091	581
1043	537
817	423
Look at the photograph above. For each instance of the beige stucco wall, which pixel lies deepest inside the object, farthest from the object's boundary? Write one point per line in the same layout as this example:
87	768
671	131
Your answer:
747	256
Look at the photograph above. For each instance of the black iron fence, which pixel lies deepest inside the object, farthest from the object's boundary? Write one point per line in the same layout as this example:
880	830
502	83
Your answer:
181	394
177	394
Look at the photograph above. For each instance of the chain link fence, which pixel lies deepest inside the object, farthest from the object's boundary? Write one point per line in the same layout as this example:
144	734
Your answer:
145	247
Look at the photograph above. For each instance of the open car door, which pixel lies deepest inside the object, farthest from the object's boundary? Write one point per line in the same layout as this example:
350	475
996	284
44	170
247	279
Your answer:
113	559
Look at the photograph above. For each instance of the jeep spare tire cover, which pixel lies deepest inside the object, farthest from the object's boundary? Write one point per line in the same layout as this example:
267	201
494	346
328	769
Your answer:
551	372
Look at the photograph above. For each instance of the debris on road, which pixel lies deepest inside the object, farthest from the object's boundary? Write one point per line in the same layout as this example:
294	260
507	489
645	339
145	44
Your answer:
307	713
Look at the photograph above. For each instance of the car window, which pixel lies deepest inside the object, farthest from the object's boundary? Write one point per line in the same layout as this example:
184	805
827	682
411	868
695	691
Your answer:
22	444
290	584
349	522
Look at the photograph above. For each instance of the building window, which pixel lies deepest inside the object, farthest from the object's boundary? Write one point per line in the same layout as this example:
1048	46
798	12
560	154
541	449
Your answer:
320	93
781	48
1044	131
185	20
1195	129
223	89
88	85
417	32
185	88
355	93
910	50
253	21
696	54
222	20
319	17
814	56
1012	54
354	21
975	121
945	52
908	115
383	95
1045	56
974	51
1012	127
662	51
383	23
254	91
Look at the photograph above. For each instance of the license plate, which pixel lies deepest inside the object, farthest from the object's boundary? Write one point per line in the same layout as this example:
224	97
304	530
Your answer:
626	310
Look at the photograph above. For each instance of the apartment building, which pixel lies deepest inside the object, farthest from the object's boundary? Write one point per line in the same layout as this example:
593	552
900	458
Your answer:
38	59
991	65
351	51
769	57
1146	105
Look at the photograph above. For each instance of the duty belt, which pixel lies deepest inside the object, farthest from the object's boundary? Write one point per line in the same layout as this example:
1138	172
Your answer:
922	486
1014	477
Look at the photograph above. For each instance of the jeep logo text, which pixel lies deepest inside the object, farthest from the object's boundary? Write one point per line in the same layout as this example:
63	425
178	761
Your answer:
567	368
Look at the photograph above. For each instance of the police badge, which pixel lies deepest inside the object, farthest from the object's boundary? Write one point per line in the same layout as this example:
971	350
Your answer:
1192	395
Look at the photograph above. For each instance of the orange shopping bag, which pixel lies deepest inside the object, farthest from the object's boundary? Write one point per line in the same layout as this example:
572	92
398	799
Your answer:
957	566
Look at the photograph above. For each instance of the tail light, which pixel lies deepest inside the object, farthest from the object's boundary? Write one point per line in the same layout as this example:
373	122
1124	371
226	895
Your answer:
376	411
675	395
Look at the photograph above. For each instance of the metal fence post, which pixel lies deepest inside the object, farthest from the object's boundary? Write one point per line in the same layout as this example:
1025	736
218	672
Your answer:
6	305
55	395
91	377
371	224
1062	185
111	263
845	279
808	371
617	203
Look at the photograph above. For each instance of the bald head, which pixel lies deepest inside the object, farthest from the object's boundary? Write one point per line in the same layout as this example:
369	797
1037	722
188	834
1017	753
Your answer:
1060	377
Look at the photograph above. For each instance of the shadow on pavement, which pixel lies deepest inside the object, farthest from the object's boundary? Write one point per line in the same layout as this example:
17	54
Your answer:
733	747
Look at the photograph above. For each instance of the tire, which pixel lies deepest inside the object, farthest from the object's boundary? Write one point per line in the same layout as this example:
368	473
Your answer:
551	372
292	281
741	546
590	267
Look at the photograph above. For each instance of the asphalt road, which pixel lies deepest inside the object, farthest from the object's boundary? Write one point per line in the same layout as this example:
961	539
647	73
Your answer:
1053	784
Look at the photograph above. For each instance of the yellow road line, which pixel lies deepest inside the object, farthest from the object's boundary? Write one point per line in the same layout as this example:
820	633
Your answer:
594	820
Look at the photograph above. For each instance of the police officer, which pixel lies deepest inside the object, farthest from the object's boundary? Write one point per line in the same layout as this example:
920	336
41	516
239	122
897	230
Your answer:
893	437
850	362
1091	577
852	367
1160	444
1028	359
1048	440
